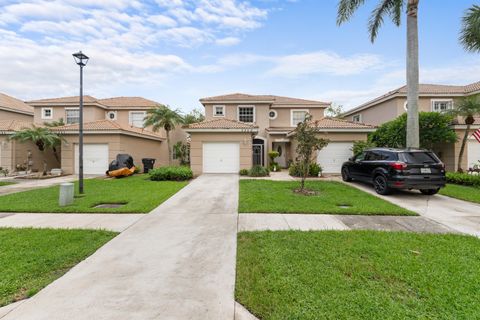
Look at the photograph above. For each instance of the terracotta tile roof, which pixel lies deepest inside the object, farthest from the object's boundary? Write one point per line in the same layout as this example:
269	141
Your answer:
334	123
261	98
14	125
74	99
13	104
221	124
423	89
107	125
128	102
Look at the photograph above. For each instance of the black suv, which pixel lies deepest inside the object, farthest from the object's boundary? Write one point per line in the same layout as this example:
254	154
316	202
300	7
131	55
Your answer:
389	169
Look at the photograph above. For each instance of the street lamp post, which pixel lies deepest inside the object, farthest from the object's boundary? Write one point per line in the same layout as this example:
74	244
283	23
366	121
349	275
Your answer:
81	59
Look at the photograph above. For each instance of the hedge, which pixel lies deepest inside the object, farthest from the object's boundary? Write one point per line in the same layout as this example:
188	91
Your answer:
463	179
171	173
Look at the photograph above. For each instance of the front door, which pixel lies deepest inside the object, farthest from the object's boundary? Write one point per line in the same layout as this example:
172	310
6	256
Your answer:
258	152
280	147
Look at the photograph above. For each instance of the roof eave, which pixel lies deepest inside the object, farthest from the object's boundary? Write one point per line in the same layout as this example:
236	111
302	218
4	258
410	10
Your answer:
340	130
30	113
221	130
112	131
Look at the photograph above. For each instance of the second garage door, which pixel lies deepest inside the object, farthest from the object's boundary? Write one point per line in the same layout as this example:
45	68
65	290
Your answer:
473	152
334	155
95	158
221	157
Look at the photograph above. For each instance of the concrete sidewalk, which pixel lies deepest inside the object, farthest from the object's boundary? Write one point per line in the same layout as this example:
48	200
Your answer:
113	222
307	222
176	263
461	216
29	184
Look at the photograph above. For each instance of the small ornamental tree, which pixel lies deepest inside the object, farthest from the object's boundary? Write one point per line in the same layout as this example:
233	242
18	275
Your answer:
307	143
434	129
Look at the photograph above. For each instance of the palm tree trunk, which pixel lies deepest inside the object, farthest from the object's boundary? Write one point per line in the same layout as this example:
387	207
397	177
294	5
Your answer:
169	148
462	149
413	139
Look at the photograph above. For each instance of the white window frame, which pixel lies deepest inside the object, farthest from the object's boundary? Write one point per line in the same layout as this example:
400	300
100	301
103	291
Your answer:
215	111
432	104
130	120
357	118
274	117
47	117
114	113
291	115
246	106
66	118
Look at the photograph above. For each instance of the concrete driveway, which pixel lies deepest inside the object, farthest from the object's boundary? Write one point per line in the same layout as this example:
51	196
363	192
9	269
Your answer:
458	215
176	263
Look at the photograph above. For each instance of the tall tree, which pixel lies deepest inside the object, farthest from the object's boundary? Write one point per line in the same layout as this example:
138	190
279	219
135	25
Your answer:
470	32
162	117
393	9
193	117
468	108
306	135
43	138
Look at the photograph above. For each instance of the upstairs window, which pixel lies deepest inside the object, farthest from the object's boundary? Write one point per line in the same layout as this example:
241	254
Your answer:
72	116
357	118
246	114
298	116
442	105
137	118
218	111
47	113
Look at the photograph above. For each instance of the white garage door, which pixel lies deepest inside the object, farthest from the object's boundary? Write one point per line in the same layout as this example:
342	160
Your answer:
334	155
221	157
473	152
95	158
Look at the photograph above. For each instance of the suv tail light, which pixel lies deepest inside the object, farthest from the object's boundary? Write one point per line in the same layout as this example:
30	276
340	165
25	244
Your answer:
398	165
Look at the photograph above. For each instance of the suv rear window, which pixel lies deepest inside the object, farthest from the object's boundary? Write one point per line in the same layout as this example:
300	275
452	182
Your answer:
418	157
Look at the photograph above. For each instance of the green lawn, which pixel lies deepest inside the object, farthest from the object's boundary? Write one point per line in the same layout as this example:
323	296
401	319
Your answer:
5	183
139	194
462	192
30	259
358	275
263	196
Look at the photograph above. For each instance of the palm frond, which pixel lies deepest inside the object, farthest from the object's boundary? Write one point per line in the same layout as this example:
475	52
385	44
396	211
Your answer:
346	9
393	8
470	31
468	107
163	117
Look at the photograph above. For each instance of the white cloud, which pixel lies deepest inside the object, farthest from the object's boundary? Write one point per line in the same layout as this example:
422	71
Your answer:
322	62
228	41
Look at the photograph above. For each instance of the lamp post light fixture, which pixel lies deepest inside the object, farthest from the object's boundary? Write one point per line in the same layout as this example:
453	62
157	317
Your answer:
81	59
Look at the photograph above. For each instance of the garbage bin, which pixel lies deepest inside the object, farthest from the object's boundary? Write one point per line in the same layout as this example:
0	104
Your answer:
147	164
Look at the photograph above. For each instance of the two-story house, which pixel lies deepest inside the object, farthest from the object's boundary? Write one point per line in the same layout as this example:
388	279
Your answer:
432	97
240	129
111	126
14	116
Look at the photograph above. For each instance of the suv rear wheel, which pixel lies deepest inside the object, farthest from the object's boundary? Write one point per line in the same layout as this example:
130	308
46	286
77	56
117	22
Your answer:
346	175
429	192
380	185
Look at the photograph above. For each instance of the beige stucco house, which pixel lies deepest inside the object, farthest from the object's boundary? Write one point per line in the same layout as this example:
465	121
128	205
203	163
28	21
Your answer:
240	129
437	98
111	126
14	116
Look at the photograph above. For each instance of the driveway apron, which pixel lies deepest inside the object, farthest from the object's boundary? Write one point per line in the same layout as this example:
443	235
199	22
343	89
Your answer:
176	263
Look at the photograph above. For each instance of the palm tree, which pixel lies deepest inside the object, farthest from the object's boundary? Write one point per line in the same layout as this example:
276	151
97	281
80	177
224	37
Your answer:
393	9
55	123
194	116
164	117
468	108
470	32
43	138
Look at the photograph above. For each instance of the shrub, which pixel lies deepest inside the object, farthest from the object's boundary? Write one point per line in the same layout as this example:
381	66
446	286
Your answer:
463	179
244	172
274	166
360	146
313	170
171	173
137	169
258	171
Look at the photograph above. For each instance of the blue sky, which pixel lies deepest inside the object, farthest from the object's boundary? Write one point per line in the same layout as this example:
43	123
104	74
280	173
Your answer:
177	51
